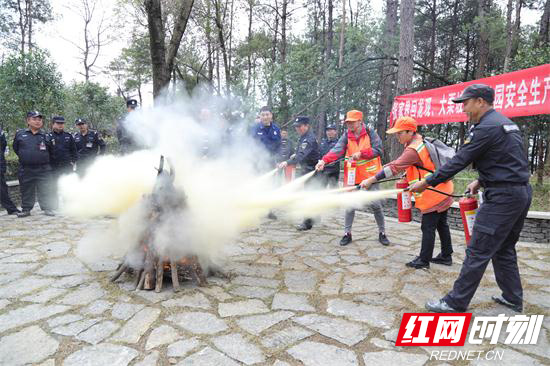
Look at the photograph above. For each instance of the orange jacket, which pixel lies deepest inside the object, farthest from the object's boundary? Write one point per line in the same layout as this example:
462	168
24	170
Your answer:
426	199
365	168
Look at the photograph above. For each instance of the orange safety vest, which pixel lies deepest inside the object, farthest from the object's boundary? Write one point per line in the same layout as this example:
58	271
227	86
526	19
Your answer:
426	199
364	168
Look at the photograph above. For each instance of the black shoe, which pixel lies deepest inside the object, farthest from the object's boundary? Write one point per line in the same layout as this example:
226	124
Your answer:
440	306
418	263
440	259
14	212
502	301
306	225
346	239
271	216
49	213
383	239
24	214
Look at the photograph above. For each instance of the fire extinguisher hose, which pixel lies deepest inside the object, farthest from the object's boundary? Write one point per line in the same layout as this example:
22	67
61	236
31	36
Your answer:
443	193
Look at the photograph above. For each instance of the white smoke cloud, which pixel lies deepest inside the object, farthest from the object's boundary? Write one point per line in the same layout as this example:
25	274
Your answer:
217	165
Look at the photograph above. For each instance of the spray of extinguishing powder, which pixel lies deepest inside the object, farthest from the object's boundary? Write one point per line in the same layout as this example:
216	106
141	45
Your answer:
228	182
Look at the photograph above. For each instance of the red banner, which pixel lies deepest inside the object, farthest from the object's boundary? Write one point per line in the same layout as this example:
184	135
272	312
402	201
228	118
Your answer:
519	93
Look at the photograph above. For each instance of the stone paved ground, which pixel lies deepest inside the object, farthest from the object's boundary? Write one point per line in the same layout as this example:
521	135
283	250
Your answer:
292	298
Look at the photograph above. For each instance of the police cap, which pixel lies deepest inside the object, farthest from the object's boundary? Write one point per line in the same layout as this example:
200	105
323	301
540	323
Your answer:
34	114
301	120
58	119
330	127
80	121
131	103
476	91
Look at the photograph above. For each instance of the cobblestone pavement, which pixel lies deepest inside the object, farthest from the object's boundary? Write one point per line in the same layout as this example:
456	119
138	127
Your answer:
291	298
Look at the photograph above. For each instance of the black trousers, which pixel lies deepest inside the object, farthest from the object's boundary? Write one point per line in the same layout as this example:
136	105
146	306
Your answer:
329	179
82	165
430	223
312	183
57	172
7	203
35	181
496	231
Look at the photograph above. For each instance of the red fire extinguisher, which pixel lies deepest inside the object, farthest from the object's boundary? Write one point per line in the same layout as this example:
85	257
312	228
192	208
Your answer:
350	175
468	209
290	173
404	204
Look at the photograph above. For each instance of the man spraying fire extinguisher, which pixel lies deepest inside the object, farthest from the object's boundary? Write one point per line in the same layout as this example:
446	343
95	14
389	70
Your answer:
362	148
418	164
495	147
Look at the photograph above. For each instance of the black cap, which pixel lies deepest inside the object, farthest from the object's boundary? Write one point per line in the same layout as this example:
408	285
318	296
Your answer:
330	127
265	108
34	114
80	121
131	103
58	119
476	91
301	120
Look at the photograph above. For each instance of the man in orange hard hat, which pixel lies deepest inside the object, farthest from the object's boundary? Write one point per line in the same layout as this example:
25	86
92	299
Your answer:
416	161
362	148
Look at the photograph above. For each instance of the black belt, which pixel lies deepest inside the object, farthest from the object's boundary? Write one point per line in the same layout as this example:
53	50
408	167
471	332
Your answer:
502	184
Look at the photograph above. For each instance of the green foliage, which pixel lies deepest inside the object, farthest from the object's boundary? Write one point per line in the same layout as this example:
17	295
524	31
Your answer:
132	69
94	103
29	82
14	11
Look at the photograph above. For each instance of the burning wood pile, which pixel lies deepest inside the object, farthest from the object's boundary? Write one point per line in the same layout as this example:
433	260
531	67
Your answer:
149	267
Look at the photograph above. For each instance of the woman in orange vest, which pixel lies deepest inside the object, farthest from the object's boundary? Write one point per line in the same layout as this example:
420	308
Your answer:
433	206
362	148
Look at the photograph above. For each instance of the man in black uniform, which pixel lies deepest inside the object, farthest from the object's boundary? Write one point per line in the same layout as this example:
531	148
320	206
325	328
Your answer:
64	154
89	144
125	140
306	157
286	149
495	147
34	151
331	173
5	199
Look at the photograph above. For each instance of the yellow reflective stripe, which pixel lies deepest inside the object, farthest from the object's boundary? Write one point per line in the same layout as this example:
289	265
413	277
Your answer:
420	147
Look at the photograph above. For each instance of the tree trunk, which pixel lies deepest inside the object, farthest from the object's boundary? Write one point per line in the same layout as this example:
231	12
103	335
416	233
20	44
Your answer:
544	32
508	52
451	53
338	91
284	112
483	40
386	71
22	25
29	22
540	158
342	34
249	39
433	32
161	76
516	29
329	41
273	57
223	48
208	31
162	57
406	61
